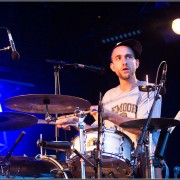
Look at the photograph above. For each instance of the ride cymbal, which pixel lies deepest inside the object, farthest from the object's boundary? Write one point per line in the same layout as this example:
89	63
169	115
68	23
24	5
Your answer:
16	120
136	126
37	103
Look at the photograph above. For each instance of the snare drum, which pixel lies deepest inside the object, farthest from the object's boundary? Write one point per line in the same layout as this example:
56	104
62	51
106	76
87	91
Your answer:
115	150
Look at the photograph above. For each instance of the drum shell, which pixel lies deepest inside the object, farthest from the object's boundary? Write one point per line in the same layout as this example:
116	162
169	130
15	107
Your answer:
116	152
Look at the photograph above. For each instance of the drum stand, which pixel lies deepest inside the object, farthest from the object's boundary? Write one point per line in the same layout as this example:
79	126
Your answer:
98	167
82	142
100	125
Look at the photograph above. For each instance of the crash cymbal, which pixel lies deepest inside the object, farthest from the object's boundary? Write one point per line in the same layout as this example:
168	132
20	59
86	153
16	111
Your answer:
36	103
15	120
136	126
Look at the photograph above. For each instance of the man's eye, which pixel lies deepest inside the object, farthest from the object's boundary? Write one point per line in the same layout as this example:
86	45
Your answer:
129	57
118	58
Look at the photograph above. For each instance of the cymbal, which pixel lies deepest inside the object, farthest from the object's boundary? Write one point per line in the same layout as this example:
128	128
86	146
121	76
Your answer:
16	120
36	103
136	126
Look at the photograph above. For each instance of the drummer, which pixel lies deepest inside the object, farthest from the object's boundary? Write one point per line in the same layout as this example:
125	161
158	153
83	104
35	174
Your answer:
124	102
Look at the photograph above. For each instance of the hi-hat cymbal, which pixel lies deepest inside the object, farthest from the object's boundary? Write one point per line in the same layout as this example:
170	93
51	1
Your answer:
36	103
136	126
15	120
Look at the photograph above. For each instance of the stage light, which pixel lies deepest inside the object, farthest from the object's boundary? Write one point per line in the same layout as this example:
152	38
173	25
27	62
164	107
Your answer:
176	26
121	36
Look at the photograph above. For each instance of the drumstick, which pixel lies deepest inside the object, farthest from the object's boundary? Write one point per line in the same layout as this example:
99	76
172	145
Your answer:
42	121
71	115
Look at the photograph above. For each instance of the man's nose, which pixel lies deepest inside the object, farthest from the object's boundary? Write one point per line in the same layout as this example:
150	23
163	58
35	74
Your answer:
124	60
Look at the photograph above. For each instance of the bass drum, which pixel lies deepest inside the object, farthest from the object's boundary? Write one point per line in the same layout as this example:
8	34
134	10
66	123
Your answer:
116	154
43	167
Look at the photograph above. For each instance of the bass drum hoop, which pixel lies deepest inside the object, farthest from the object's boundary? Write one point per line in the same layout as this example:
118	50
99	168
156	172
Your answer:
56	163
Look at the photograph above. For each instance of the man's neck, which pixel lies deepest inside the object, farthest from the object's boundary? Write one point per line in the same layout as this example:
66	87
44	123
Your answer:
127	85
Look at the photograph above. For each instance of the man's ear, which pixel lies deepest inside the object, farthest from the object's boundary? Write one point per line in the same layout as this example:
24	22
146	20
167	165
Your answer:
112	67
137	63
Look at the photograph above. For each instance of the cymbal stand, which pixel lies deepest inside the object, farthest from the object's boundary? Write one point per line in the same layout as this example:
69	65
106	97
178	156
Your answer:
100	125
80	124
144	132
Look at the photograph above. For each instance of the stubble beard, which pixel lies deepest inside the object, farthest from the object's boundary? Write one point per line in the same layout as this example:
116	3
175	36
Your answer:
126	76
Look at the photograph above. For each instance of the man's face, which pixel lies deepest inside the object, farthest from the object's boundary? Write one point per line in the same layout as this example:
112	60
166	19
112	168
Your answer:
124	63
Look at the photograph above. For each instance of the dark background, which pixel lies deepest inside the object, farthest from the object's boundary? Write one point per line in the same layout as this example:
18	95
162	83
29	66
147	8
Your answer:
84	32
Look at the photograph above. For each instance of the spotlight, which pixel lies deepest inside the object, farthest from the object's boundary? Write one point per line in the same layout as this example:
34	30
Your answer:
176	26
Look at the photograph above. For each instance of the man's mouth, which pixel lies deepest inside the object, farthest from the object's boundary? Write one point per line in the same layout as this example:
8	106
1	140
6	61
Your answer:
125	69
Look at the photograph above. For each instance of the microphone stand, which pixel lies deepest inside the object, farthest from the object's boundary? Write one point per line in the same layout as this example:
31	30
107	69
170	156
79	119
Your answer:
98	156
144	131
57	68
57	91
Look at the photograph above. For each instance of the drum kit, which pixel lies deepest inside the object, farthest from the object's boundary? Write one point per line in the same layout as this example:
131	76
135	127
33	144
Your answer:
116	147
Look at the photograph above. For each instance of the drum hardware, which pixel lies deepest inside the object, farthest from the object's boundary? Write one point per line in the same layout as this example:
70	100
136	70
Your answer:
146	131
40	167
147	88
58	146
55	145
99	173
80	125
83	157
55	171
5	163
61	146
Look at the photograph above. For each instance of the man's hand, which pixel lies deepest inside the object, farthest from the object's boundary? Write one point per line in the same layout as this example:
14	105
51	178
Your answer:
94	112
66	122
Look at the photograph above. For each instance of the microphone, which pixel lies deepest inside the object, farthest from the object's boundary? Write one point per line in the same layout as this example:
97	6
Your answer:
163	79
15	54
91	68
57	62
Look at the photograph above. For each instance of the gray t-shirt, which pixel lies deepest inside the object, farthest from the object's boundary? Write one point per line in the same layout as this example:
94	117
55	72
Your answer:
133	104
